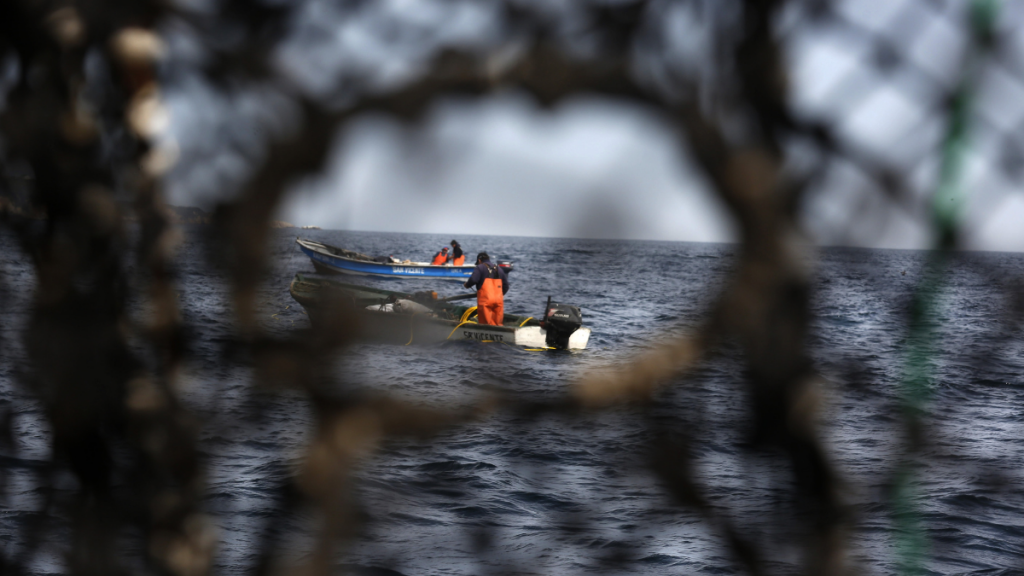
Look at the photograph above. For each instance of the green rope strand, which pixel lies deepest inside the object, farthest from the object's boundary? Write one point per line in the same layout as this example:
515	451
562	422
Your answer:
915	389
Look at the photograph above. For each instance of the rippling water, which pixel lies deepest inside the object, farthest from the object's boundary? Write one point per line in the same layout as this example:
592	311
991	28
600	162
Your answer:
558	494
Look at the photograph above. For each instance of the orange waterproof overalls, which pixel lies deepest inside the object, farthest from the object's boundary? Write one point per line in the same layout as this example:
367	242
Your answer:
440	258
459	261
490	302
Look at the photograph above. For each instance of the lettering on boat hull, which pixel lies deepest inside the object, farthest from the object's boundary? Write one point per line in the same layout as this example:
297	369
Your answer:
471	335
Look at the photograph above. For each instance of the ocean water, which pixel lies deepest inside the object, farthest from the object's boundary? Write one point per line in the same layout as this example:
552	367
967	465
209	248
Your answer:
573	495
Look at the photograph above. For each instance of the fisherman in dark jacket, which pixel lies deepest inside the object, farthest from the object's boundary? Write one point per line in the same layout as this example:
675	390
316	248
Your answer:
491	284
458	257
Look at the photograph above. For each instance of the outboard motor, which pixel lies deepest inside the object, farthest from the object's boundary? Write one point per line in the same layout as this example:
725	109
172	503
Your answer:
506	265
560	321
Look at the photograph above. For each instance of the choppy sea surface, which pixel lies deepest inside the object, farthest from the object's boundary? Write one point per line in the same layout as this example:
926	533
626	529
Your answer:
568	495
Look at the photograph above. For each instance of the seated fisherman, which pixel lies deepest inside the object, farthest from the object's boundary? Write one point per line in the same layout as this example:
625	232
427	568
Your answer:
440	258
492	284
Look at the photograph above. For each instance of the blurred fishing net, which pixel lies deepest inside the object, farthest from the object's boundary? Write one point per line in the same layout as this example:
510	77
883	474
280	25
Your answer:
838	121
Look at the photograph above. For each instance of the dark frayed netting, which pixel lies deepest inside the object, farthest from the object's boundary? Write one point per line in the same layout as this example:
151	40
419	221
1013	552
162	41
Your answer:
105	451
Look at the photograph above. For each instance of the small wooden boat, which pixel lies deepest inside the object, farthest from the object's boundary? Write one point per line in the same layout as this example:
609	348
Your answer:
421	318
334	260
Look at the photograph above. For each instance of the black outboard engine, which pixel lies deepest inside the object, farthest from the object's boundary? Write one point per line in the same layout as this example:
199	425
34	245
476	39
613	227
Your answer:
560	321
506	265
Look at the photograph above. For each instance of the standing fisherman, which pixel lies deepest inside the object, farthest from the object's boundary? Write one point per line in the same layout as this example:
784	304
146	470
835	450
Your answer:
458	257
492	284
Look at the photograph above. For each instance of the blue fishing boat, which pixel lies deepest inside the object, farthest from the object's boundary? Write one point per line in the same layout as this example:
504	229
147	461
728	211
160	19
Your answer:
331	259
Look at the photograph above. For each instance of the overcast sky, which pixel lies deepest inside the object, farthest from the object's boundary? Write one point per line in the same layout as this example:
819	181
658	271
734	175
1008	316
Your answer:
501	166
594	168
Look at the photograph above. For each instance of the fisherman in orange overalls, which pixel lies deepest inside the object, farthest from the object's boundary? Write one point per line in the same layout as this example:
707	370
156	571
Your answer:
440	258
458	256
492	284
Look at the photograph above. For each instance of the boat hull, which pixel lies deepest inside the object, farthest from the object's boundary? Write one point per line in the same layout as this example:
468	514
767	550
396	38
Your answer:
336	305
390	328
331	261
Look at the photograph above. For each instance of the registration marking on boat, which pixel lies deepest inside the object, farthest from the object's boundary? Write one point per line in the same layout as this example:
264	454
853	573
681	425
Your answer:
483	336
408	270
